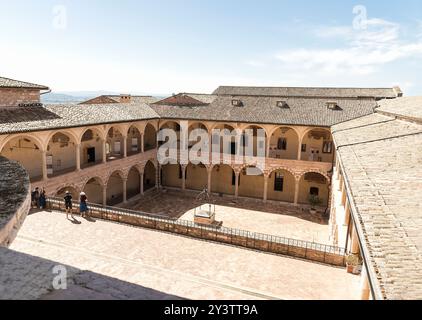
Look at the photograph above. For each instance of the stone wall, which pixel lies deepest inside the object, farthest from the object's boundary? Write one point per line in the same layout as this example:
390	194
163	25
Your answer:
15	199
12	97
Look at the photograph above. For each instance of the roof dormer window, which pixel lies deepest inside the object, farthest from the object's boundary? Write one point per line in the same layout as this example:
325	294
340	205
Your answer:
237	103
283	105
331	105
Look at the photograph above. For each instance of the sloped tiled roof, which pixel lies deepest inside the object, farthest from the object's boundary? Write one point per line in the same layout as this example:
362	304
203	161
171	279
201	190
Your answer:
381	157
66	116
302	111
181	100
106	99
410	107
10	83
378	93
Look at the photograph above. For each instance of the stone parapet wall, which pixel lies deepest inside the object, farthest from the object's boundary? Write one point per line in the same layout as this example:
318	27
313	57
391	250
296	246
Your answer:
13	97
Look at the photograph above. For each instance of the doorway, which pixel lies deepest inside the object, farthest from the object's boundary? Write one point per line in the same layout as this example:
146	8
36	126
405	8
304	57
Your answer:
91	155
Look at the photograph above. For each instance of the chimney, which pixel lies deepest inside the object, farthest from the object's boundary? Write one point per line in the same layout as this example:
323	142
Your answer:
398	92
125	98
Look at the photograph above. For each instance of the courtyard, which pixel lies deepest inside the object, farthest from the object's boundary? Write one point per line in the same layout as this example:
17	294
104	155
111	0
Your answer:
173	265
272	218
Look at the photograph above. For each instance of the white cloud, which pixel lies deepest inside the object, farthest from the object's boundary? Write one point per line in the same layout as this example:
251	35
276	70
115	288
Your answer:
376	45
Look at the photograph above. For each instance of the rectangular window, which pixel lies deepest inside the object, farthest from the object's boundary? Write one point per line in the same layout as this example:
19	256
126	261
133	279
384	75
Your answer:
233	148
314	191
303	147
327	147
279	182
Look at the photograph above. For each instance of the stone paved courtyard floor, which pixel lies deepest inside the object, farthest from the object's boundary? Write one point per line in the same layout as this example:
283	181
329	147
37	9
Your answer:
271	218
170	265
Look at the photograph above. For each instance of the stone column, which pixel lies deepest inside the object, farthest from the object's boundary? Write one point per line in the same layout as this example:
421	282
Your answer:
124	146
299	151
267	152
347	214
78	157
354	248
297	189
104	151
366	292
141	182
44	165
236	192
124	190
142	143
209	180
184	177
266	178
105	196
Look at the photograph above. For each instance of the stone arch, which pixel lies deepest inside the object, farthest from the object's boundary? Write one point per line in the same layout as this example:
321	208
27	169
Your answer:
72	188
251	186
223	179
134	139
115	187
116	140
62	152
150	137
93	187
315	149
133	185
319	186
29	151
150	175
91	141
196	176
281	185
284	142
172	175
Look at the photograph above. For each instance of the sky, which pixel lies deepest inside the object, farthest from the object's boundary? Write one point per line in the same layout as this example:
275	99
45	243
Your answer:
171	46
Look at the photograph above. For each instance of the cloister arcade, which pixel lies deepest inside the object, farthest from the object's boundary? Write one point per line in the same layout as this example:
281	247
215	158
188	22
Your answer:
112	164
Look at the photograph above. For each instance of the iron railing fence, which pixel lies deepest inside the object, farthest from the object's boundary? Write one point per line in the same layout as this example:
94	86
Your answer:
57	203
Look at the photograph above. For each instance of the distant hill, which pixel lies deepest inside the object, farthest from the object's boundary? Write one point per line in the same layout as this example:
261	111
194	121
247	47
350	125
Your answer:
78	96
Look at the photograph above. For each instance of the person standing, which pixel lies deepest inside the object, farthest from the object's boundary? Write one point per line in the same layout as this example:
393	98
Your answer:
83	207
42	199
68	205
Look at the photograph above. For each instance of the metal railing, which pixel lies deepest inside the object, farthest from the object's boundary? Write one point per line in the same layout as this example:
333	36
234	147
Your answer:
202	231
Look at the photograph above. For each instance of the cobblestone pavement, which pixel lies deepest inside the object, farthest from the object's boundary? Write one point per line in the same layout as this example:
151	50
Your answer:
174	265
246	214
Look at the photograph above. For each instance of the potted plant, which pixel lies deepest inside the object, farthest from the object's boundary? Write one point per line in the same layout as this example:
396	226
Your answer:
353	263
314	201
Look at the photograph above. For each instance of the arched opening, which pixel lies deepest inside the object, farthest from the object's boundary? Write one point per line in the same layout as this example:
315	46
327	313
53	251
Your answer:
313	184
115	141
150	176
134	141
133	186
171	176
115	189
284	144
192	127
28	153
73	191
91	148
281	186
223	180
317	145
196	177
219	139
94	191
61	154
256	143
251	183
150	137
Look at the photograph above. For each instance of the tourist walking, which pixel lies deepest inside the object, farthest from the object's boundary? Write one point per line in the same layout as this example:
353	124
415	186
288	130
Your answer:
42	200
68	204
83	207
